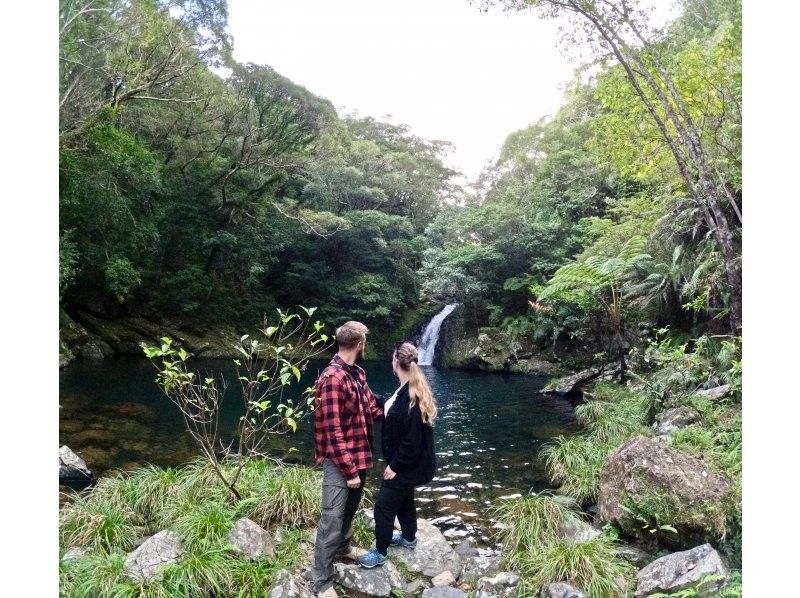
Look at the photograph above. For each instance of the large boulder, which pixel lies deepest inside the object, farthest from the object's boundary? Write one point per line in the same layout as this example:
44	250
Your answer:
72	470
251	540
560	589
433	554
502	585
145	564
683	570
644	484
286	586
674	419
379	581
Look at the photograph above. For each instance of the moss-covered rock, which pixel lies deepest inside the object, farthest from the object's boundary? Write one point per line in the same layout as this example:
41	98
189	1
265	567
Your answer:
489	349
651	490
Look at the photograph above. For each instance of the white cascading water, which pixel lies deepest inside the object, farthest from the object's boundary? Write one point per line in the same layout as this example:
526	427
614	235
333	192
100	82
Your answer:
427	346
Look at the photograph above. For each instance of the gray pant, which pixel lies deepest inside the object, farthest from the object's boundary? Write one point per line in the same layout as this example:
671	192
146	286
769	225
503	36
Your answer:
339	505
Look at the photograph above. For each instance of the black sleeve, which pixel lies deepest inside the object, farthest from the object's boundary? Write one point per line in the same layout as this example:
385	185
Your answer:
410	447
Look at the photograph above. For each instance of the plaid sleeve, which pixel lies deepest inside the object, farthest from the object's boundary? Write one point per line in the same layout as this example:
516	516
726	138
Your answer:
374	407
329	399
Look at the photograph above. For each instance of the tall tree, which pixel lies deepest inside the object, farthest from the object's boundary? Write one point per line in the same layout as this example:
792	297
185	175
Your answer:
622	28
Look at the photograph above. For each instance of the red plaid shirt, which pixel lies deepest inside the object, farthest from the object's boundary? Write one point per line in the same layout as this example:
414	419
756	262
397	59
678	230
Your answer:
343	415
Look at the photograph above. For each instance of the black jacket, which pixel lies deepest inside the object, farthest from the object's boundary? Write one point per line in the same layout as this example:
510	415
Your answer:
407	442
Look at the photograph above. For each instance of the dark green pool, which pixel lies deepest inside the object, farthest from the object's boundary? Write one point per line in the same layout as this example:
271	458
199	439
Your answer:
489	431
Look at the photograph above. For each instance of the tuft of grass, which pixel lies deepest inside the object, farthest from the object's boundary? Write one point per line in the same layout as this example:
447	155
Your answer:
96	574
362	535
529	523
99	521
592	566
202	571
206	524
288	495
575	464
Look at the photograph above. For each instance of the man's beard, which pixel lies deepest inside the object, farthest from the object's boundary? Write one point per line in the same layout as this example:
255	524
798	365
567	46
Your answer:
360	355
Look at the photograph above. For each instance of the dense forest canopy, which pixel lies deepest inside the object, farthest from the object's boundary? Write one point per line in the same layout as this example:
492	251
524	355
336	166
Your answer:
192	196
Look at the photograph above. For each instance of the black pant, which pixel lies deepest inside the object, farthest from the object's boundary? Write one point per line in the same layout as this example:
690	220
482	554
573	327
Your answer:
394	499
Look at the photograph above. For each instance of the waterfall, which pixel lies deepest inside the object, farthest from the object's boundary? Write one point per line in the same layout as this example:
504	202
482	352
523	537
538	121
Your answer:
427	346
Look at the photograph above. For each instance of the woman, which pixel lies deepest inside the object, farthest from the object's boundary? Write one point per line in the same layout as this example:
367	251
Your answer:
408	450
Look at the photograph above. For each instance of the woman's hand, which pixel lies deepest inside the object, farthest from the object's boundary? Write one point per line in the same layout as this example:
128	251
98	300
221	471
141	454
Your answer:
388	474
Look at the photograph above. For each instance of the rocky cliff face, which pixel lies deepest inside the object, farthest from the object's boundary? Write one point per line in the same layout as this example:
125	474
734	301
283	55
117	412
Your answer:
489	349
83	335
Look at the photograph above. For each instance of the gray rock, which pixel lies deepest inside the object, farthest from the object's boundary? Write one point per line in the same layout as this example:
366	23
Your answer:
379	581
286	586
445	578
642	468
466	549
433	553
476	567
369	518
146	562
560	590
569	384
682	570
252	540
74	553
577	531
502	585
715	393
71	467
443	592
417	586
634	555
674	419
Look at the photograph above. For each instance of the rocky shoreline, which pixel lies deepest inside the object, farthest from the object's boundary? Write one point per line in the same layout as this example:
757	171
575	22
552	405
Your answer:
436	568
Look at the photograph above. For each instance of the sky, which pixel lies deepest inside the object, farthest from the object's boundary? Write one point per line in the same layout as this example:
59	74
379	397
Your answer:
442	67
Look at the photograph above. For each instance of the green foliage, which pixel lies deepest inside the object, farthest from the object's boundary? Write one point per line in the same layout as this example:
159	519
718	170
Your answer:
534	546
574	463
593	566
266	366
182	500
612	416
286	496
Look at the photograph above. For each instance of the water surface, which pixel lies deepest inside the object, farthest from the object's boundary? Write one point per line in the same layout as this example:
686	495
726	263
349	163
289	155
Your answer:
488	434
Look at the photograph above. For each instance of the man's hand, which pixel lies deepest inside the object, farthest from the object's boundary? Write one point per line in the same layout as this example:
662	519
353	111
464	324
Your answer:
388	473
354	482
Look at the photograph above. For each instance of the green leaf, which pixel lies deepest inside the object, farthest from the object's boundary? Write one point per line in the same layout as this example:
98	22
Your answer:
296	373
271	330
183	354
291	423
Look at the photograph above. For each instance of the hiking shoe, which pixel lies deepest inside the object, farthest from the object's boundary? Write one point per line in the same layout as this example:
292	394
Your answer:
353	553
372	559
329	593
399	540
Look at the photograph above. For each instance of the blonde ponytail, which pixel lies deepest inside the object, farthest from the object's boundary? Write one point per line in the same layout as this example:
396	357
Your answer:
420	391
418	388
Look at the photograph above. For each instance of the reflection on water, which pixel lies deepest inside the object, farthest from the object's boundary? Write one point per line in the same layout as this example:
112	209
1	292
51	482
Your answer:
488	434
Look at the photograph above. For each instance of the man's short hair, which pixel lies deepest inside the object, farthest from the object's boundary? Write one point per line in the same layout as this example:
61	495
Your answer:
349	334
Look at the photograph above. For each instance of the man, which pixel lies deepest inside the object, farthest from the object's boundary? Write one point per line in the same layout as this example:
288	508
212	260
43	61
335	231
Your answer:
343	443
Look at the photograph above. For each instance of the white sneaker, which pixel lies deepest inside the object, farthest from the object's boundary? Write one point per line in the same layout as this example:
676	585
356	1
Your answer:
329	593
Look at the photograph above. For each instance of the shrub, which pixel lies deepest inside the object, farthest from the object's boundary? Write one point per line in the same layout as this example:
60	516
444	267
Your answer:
286	495
534	546
593	566
100	522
